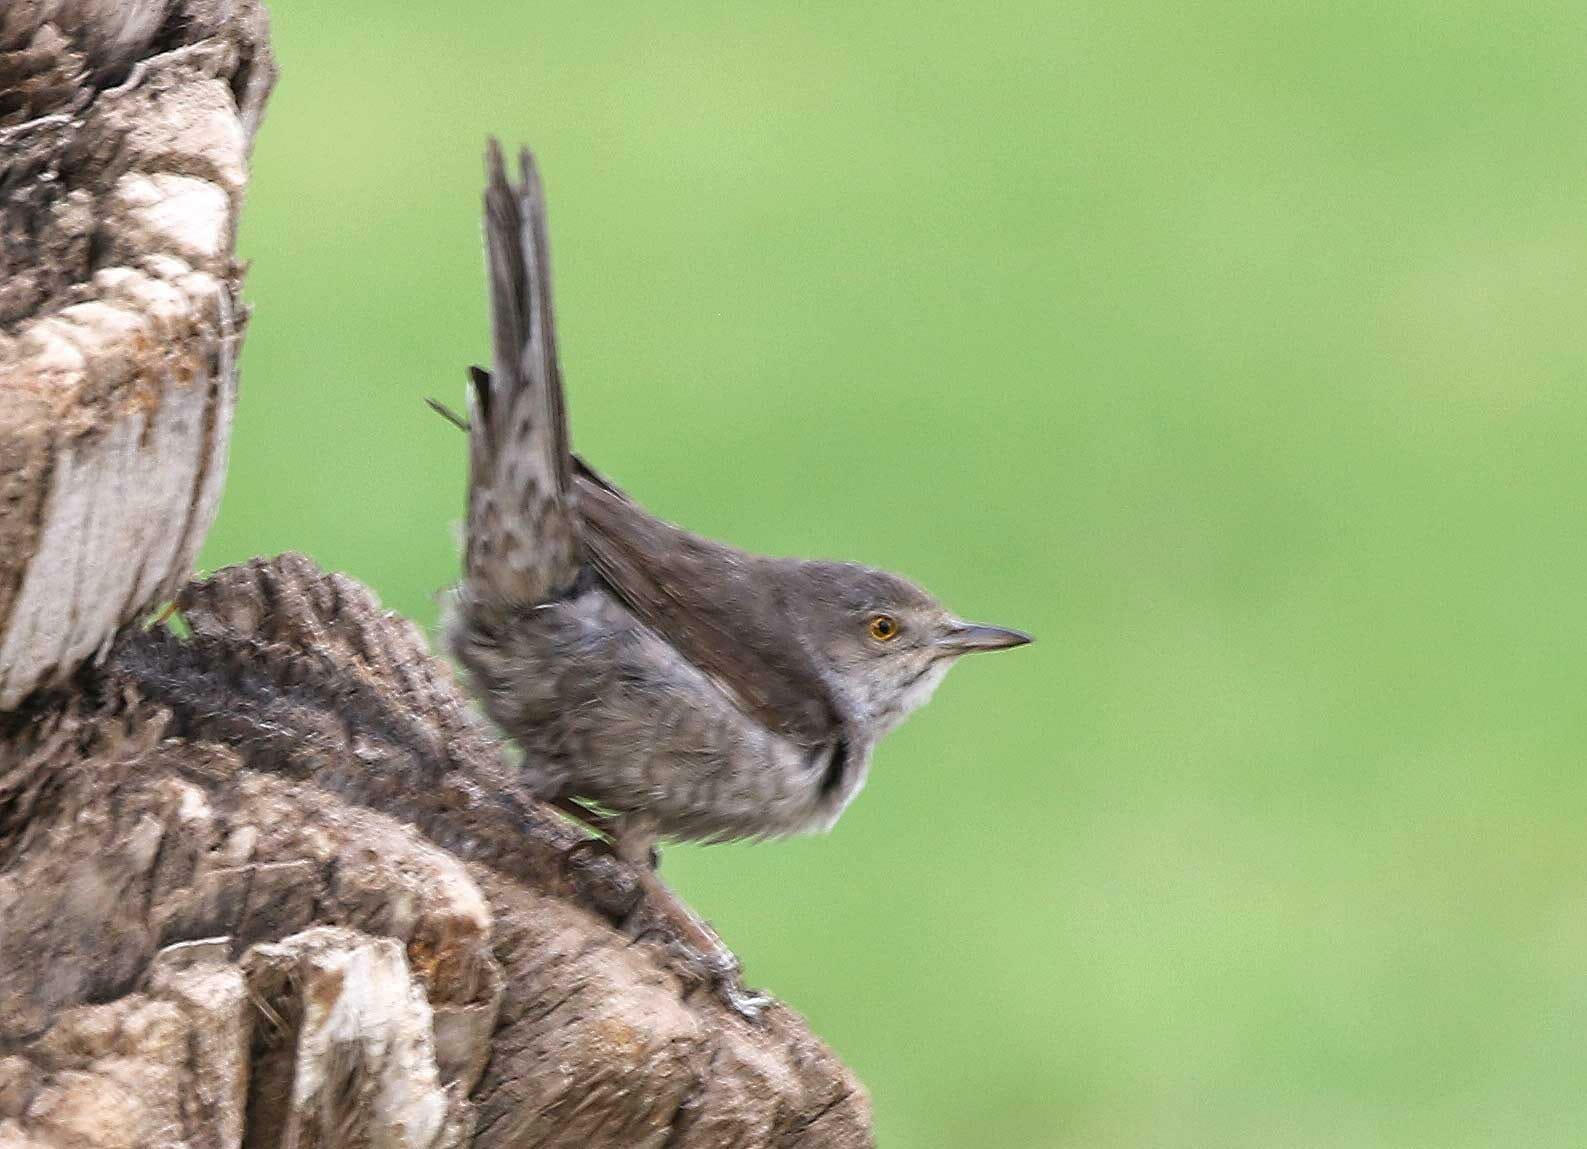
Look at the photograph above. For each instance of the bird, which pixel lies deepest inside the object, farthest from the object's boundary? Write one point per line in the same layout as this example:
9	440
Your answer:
662	685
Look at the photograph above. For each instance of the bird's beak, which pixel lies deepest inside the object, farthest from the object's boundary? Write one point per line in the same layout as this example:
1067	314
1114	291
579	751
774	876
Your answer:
963	637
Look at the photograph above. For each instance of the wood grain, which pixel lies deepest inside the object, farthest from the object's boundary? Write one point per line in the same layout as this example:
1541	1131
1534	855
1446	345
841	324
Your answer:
268	882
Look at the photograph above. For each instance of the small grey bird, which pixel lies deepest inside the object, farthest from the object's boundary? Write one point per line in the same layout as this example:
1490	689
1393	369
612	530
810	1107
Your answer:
688	689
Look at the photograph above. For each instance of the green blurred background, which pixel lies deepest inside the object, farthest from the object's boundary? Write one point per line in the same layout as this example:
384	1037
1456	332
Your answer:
1235	350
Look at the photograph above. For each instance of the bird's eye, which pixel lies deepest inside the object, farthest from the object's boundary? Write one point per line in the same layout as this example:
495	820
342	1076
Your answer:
884	627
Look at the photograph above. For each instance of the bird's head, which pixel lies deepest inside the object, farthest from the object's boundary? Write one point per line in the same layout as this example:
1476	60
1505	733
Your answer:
886	640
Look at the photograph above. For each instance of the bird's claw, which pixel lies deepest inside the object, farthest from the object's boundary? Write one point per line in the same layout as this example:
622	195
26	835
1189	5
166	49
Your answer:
719	969
724	974
699	954
747	1003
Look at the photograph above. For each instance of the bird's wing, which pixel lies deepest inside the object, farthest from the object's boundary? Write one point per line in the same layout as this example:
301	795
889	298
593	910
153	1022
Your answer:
717	606
522	529
535	514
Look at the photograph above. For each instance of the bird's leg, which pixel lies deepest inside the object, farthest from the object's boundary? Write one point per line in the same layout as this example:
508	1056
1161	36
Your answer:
633	839
662	911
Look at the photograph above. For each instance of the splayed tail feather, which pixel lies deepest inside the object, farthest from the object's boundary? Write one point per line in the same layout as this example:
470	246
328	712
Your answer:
523	542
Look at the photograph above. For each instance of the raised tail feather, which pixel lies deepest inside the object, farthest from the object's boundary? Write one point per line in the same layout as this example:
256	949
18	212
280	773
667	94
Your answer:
523	540
536	512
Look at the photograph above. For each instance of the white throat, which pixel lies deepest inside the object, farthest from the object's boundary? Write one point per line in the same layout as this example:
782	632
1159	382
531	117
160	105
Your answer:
917	694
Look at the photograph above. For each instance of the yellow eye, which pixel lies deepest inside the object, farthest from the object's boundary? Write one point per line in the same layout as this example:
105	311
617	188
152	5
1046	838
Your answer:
884	628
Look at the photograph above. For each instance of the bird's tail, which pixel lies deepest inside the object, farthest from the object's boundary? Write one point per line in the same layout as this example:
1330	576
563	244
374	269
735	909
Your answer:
522	544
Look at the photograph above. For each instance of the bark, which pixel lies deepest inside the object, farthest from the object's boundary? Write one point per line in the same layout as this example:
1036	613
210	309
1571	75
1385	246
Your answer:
124	134
269	882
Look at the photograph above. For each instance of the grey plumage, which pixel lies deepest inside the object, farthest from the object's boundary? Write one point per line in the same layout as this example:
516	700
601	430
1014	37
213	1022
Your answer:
521	543
693	689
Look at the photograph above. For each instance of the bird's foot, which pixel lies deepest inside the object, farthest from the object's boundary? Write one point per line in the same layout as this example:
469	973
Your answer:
738	997
648	909
703	956
606	831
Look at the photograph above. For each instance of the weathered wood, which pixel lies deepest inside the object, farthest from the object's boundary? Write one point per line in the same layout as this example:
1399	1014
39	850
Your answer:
269	882
124	134
296	803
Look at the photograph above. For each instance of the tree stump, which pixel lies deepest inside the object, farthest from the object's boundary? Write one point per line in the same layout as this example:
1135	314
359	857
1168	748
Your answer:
269	881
